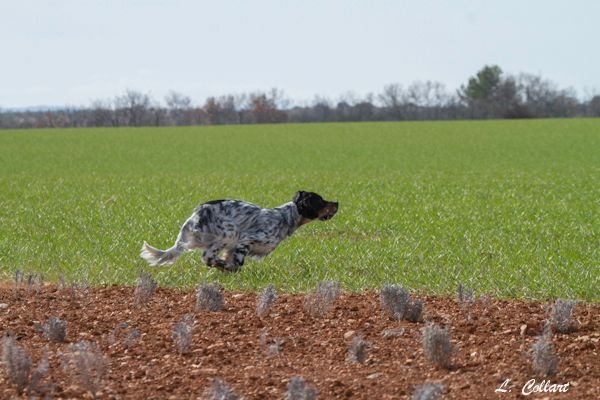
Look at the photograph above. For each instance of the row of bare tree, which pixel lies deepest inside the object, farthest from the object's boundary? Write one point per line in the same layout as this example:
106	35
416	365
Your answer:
488	94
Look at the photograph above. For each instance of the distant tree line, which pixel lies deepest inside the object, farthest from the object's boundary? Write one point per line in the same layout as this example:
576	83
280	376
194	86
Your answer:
489	94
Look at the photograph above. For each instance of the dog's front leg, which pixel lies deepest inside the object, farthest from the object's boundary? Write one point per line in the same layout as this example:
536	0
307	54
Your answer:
210	257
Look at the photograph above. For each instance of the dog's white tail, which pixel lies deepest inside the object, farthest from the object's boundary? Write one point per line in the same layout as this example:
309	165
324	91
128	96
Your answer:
156	257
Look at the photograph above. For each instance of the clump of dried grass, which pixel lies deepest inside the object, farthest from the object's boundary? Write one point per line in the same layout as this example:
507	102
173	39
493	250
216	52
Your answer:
428	391
144	289
319	303
561	316
182	334
123	333
396	302
209	297
265	301
219	390
55	329
87	366
544	358
437	346
17	364
298	389
357	350
272	348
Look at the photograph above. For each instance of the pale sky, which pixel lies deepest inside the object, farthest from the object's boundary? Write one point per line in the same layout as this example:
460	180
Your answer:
71	52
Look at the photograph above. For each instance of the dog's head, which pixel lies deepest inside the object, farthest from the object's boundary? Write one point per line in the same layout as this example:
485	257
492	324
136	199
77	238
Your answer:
312	206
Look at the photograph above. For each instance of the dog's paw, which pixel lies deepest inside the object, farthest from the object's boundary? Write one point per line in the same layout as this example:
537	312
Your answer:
218	264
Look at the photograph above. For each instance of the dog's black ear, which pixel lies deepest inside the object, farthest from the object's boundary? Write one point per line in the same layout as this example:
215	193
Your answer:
298	196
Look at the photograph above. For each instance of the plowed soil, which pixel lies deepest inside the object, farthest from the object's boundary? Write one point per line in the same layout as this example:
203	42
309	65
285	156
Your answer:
491	345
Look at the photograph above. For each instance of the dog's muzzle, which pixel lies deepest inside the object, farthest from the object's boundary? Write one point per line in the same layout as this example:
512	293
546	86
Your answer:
329	211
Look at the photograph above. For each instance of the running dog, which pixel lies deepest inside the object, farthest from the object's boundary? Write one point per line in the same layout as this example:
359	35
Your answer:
229	230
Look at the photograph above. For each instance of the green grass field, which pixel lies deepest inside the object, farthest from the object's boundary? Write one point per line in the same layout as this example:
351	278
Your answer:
509	208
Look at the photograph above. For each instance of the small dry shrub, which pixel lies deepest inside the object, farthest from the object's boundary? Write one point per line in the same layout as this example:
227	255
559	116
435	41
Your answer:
18	278
298	389
18	367
55	329
61	285
414	311
544	358
80	290
464	294
271	348
17	363
319	303
465	297
36	384
274	348
144	288
182	333
437	346
209	297
265	301
87	366
561	316
357	350
428	391
219	390
123	333
396	302
35	281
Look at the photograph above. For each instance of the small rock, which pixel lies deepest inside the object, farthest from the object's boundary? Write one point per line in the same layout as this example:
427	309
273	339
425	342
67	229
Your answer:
523	329
3	305
209	370
238	295
392	332
349	334
375	375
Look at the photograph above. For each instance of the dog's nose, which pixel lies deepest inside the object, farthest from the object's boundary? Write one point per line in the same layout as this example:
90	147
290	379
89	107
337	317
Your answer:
335	203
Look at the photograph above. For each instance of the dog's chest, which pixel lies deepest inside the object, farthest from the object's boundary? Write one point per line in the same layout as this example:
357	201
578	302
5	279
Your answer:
261	249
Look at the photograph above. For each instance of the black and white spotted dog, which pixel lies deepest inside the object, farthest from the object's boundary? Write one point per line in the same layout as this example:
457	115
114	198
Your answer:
230	230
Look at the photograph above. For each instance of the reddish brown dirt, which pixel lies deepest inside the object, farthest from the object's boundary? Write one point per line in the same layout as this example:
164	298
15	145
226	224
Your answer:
490	348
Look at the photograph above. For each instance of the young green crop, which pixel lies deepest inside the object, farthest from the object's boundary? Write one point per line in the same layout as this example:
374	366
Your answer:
507	208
